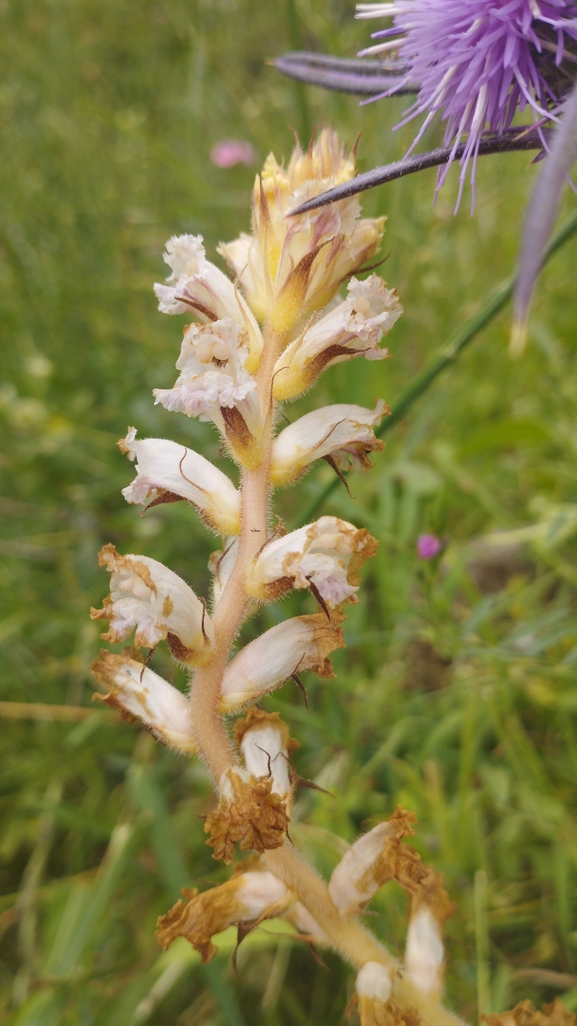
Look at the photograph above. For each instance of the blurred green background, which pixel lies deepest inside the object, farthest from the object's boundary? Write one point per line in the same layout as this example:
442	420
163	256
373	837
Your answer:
456	694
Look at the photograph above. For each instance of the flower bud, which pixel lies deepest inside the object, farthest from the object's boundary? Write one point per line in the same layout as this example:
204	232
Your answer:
374	989
265	743
140	694
371	861
249	812
196	286
293	266
145	595
324	556
353	328
302	643
342	434
247	898
167	472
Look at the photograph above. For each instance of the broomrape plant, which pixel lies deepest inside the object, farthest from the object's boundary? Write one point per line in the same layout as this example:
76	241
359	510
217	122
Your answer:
260	338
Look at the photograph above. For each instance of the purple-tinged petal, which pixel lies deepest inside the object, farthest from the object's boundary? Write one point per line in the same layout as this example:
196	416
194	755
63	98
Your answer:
540	216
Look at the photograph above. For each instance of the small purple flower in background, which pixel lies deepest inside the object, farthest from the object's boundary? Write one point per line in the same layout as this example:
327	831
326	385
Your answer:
230	152
477	62
428	546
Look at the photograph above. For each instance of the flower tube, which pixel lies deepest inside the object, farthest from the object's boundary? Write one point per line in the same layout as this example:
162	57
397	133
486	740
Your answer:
342	434
148	597
247	898
353	328
168	472
301	643
325	557
140	694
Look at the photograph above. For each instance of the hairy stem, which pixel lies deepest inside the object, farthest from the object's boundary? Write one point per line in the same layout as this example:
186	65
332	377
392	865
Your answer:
209	730
349	937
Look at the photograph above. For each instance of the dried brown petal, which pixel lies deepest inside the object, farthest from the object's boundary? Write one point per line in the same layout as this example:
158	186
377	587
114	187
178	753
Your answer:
249	897
249	813
525	1014
374	1013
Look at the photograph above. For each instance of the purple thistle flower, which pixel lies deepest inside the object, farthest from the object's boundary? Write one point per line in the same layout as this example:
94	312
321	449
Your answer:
477	62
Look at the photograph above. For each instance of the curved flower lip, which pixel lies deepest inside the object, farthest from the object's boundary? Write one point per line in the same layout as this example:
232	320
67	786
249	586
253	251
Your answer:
167	471
148	597
215	385
342	433
353	328
291	268
141	694
197	286
301	643
324	556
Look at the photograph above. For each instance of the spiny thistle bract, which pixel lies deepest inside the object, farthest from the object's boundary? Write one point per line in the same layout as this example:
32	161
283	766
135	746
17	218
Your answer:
258	339
477	62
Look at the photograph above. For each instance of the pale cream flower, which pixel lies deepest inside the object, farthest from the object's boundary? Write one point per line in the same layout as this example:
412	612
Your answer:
247	898
374	989
425	951
324	556
293	266
197	286
214	385
167	472
301	643
265	743
353	883
140	694
342	434
147	597
353	328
